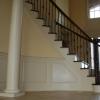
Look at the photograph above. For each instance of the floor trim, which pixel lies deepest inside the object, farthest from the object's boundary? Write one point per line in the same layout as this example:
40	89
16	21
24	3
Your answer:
3	94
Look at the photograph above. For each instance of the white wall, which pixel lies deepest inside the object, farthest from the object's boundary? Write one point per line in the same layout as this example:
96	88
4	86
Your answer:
79	13
34	42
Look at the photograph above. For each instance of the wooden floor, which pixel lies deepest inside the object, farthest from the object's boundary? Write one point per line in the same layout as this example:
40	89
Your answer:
56	96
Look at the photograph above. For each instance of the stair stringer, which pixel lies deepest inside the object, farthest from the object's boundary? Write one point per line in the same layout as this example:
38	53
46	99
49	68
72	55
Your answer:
81	81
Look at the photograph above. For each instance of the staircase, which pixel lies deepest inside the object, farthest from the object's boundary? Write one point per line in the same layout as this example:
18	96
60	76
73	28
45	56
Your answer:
68	38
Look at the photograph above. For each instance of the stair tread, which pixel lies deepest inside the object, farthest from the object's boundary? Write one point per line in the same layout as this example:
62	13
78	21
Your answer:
51	33
34	10
28	2
84	68
57	40
40	18
46	25
95	84
78	61
63	47
71	54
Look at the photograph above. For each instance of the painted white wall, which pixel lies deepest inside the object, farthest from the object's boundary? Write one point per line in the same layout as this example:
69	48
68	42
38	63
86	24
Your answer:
34	42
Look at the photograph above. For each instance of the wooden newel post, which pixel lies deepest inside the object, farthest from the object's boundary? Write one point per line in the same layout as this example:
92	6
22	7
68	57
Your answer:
96	62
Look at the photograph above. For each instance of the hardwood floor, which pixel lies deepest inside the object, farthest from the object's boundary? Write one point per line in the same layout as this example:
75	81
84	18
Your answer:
56	96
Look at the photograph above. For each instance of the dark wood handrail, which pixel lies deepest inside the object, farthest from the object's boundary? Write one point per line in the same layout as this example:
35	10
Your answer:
74	32
69	19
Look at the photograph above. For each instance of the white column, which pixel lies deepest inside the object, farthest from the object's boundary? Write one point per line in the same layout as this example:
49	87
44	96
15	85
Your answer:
14	47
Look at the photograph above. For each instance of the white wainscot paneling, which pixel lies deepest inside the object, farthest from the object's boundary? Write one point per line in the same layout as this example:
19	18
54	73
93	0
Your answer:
3	69
35	72
45	74
61	74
